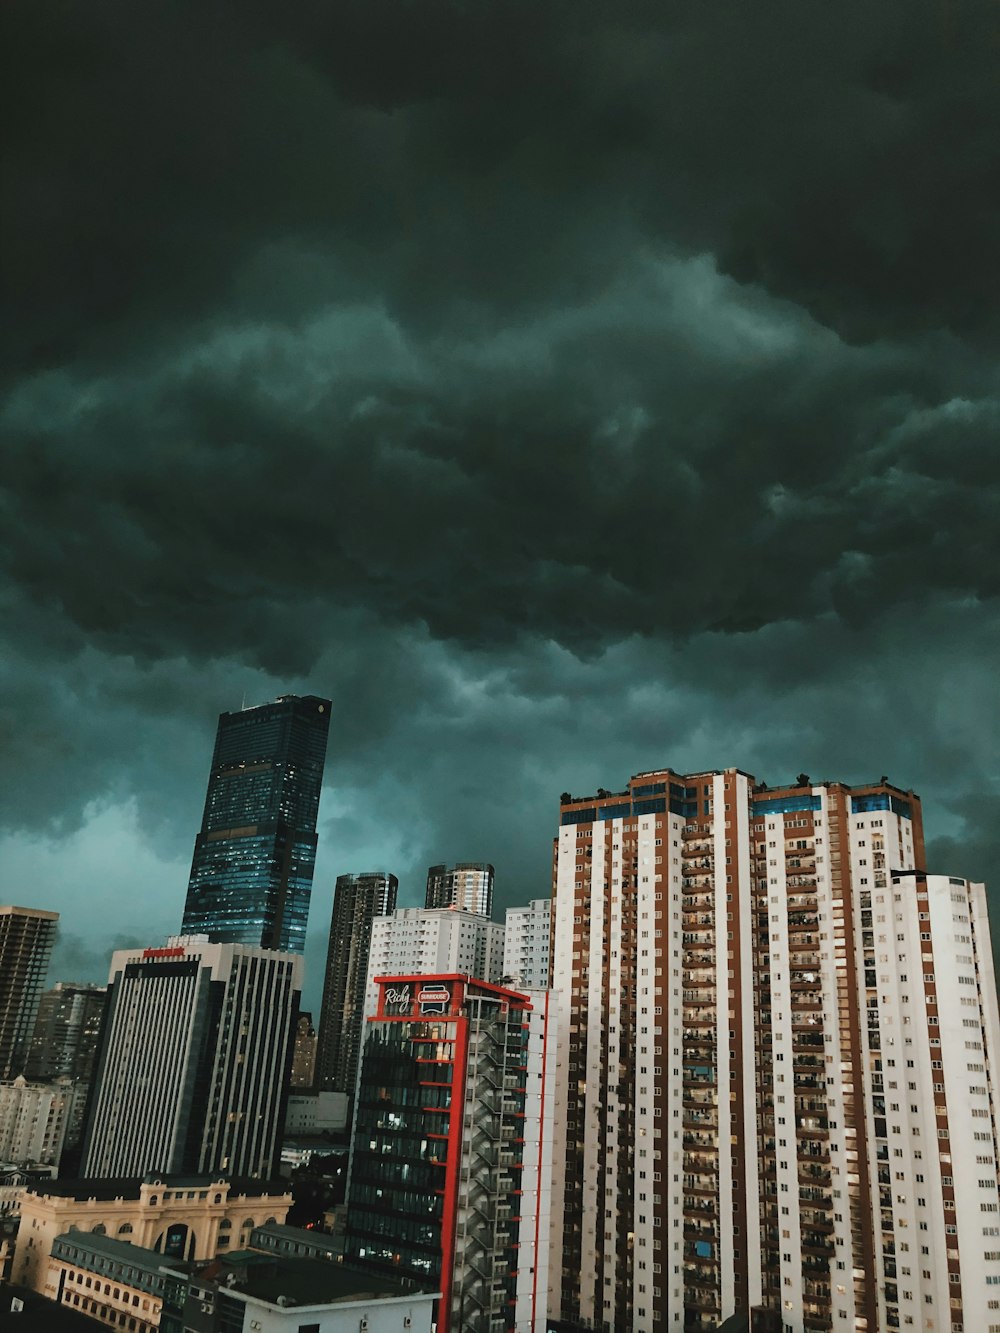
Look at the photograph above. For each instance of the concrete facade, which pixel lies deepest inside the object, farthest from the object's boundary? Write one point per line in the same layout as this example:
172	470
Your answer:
776	1084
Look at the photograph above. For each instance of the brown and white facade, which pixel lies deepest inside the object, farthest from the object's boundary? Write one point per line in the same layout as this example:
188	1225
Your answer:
748	1110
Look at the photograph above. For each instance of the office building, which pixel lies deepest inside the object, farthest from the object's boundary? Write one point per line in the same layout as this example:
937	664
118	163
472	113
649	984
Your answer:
777	1081
26	939
357	901
526	945
450	1163
35	1117
194	1062
66	1032
467	885
312	1114
182	1217
424	941
304	1053
252	871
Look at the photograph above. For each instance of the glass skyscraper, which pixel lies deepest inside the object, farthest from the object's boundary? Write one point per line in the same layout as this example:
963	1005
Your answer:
252	871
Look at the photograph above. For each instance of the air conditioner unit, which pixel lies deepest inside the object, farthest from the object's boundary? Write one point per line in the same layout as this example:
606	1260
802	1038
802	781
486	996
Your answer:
407	1321
363	1325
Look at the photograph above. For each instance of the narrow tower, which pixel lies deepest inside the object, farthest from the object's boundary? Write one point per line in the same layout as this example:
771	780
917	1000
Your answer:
26	939
357	901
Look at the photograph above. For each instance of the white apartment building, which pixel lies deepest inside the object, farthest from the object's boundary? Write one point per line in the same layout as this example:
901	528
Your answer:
526	945
777	1080
34	1118
191	1071
430	941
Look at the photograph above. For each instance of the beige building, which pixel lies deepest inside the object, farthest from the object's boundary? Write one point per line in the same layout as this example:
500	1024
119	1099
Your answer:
108	1279
184	1217
34	1118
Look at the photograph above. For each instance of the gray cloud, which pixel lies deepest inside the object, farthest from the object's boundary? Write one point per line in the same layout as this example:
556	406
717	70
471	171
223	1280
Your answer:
564	392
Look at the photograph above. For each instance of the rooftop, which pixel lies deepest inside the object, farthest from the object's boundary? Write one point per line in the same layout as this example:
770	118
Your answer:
266	1277
296	1236
128	1187
50	1316
147	1261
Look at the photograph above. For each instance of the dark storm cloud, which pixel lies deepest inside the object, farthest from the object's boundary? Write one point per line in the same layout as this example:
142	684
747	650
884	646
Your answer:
565	389
841	155
538	480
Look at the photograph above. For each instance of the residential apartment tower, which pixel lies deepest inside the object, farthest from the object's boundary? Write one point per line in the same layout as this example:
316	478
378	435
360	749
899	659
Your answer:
777	1085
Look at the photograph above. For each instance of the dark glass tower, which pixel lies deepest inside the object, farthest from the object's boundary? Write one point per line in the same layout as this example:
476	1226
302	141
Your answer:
357	900
253	864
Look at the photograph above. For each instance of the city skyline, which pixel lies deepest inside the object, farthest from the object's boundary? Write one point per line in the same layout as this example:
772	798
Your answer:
90	963
554	390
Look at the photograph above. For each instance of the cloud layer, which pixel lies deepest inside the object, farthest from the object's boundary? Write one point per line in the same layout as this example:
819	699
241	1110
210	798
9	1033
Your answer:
564	392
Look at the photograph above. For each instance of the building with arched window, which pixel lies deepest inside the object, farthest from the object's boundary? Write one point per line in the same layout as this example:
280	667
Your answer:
181	1217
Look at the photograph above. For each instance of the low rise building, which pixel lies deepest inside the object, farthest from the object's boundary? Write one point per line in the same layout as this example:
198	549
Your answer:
182	1217
250	1292
112	1280
274	1238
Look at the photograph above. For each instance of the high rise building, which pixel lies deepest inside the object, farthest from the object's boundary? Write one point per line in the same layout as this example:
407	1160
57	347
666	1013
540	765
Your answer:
304	1053
252	871
467	885
26	939
526	945
357	901
425	941
451	1152
194	1061
34	1119
779	1078
67	1028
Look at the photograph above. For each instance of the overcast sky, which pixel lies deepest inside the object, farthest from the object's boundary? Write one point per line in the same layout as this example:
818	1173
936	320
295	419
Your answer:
564	389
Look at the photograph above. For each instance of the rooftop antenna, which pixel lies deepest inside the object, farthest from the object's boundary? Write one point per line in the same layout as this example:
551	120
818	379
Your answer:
243	706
